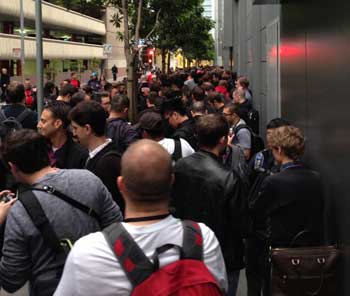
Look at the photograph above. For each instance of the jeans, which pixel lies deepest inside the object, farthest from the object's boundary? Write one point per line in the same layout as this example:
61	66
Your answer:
233	278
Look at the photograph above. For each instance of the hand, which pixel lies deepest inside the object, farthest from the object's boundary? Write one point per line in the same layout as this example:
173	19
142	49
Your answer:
230	140
5	206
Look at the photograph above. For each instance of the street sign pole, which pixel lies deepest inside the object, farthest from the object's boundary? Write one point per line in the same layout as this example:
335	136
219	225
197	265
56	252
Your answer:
22	38
39	56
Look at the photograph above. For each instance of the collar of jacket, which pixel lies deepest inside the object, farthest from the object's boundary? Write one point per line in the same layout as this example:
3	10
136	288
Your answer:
212	155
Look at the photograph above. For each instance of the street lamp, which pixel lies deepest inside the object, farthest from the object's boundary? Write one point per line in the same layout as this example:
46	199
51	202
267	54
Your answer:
22	37
39	56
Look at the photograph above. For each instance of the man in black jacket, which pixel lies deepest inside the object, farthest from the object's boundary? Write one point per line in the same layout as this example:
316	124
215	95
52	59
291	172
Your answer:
207	192
118	127
64	153
16	106
88	121
175	113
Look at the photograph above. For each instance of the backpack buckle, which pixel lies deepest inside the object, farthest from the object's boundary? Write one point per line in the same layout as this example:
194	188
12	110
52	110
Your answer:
49	189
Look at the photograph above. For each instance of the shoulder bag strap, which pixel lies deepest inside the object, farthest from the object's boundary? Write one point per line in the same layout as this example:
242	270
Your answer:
130	256
23	115
39	218
192	245
2	115
49	189
177	150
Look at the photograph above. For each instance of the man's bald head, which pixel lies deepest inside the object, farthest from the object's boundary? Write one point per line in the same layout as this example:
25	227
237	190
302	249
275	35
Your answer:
147	171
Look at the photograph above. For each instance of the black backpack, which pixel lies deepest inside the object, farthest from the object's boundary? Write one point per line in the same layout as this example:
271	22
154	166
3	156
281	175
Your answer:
11	124
257	143
253	120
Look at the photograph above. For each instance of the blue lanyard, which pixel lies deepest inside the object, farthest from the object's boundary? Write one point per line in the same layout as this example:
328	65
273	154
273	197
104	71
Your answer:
290	165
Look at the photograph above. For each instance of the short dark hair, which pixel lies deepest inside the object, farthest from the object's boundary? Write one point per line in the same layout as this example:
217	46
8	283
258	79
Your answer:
198	93
77	98
210	129
60	110
199	107
152	97
243	81
234	108
177	80
15	92
215	97
68	89
27	150
119	103
277	122
173	105
91	113
104	94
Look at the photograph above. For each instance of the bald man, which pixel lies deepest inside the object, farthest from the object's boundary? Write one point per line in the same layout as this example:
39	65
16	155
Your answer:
145	183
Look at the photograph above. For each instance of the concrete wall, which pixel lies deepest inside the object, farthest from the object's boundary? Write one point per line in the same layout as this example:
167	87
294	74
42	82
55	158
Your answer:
250	30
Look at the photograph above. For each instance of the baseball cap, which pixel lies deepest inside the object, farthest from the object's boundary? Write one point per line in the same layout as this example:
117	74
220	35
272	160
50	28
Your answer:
151	121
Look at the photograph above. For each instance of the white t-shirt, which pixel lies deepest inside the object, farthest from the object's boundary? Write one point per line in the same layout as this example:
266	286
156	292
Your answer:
92	268
169	145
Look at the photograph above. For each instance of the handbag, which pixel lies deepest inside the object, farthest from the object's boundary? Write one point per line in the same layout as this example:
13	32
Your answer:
304	271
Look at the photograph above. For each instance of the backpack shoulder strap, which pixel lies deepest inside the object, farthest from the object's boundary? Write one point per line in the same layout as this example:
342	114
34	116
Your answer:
130	256
25	113
39	218
242	126
2	115
177	154
67	199
192	245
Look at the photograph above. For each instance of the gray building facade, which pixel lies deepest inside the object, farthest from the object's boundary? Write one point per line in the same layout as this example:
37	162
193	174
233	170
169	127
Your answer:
295	54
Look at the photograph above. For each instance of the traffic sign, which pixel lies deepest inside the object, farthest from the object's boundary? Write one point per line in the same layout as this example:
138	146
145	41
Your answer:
107	48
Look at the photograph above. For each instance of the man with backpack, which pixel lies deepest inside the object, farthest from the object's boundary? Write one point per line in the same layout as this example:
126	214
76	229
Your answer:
151	252
151	125
242	134
15	115
55	208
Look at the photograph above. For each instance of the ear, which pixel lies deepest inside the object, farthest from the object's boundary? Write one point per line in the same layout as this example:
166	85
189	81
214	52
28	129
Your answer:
126	110
121	184
280	150
88	129
58	123
13	167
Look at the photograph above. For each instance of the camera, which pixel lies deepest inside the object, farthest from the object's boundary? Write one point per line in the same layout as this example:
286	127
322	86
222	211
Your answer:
6	197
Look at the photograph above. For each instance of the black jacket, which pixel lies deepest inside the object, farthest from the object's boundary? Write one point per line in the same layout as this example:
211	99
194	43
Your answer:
71	155
106	166
186	130
205	191
290	202
13	110
122	133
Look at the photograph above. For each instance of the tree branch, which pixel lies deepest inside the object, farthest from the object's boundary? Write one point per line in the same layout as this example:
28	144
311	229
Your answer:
155	25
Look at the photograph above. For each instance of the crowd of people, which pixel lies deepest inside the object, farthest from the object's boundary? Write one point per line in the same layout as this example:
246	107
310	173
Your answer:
95	205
